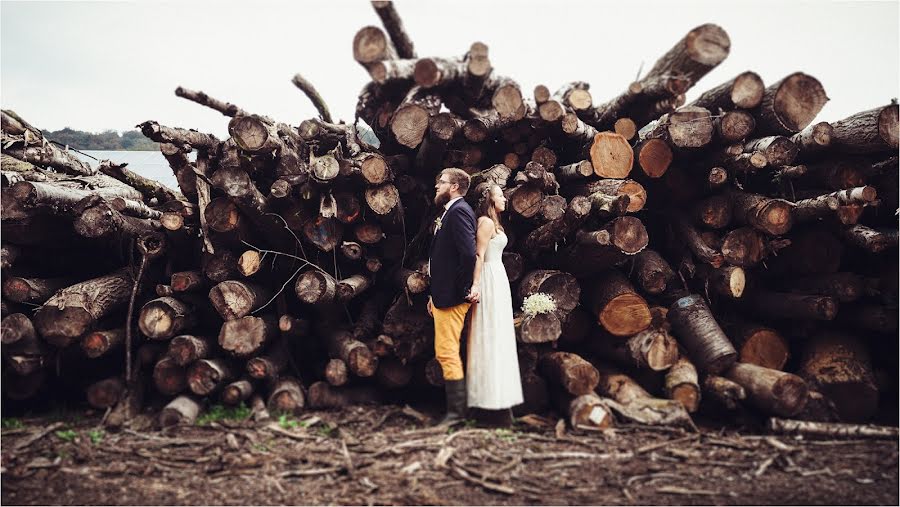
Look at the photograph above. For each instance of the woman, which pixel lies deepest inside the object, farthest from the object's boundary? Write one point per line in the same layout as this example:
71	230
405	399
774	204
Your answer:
492	363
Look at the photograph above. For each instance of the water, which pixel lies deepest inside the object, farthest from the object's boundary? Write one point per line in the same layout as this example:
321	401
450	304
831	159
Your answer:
150	164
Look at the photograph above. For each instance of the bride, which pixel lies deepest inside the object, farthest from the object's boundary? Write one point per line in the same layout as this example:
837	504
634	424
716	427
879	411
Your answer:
492	363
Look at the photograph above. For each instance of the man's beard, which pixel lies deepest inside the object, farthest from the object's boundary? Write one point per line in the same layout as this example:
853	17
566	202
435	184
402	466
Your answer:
442	198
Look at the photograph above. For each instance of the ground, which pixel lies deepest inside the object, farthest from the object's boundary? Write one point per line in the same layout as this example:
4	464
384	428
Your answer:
387	455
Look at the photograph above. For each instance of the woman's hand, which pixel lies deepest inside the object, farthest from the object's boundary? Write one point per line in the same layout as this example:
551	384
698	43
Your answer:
474	294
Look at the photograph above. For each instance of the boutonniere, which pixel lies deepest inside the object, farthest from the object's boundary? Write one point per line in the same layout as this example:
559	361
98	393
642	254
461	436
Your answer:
437	224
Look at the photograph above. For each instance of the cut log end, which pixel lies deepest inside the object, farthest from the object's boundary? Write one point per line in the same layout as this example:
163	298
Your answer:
798	100
654	157
625	315
708	44
747	90
611	155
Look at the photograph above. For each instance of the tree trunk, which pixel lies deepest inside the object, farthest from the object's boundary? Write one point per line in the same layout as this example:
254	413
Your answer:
651	272
186	349
745	91
619	309
168	377
336	372
315	287
105	393
163	318
758	344
74	310
99	343
772	216
871	240
713	212
247	335
844	287
588	411
727	393
184	139
554	231
789	105
323	396
208	375
237	392
840	367
734	126
682	384
234	299
16	327
33	290
728	281
686	128
869	131
354	353
611	155
182	411
187	281
697	330
287	396
595	251
772	391
570	372
781	305
813	139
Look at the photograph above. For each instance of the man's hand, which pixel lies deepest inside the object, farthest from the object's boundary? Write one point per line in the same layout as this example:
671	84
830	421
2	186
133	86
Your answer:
474	294
430	307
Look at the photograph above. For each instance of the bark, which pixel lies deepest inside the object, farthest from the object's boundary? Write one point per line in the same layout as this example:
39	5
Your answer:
237	392
187	281
744	91
105	393
33	290
772	391
287	396
62	200
324	233
182	138
870	240
96	218
74	310
99	343
691	237
781	305
574	172
226	108
561	286
539	328
686	128
570	372
870	317
771	216
778	150
388	71
181	411
815	138
352	287
514	264
411	281
323	396
354	353
271	364
727	393
637	194
293	327
588	411
181	168
168	377
700	51
16	327
310	91
839	366
682	384
150	189
830	430
234	299
248	335
869	131
594	251
713	212
552	232
844	287
186	349
697	330
581	132
789	106
206	376
392	374
728	281
651	272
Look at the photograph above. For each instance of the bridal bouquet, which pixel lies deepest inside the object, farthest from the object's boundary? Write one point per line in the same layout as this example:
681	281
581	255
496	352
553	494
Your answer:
538	302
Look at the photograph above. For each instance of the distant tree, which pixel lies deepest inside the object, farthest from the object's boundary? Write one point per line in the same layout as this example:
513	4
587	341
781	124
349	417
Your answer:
110	140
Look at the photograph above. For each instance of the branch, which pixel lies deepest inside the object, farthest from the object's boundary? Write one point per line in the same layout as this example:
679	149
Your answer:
310	91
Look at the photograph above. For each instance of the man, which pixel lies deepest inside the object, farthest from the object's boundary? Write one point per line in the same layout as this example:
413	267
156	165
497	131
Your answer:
451	265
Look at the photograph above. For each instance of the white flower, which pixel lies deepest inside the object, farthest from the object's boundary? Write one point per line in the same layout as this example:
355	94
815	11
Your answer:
538	302
437	224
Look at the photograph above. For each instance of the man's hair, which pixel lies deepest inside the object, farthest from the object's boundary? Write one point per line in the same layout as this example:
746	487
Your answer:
458	176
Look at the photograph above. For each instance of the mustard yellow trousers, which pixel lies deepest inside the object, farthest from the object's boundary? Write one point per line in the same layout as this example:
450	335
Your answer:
448	325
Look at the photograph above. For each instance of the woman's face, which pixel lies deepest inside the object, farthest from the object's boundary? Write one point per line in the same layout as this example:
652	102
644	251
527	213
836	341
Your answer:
498	198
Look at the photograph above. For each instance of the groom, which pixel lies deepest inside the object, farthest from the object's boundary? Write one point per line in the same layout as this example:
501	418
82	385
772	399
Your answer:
451	265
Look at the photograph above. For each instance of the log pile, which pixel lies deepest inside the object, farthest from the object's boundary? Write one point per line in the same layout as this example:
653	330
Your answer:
726	256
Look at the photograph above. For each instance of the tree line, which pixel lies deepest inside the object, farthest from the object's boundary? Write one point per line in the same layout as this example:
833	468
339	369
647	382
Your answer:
131	140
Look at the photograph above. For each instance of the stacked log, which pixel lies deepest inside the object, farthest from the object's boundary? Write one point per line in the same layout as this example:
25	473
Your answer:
680	251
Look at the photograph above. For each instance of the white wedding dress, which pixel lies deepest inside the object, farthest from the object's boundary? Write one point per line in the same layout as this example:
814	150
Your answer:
492	365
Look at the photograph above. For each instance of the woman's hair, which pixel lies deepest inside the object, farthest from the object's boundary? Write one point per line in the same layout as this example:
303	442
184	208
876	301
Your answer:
486	206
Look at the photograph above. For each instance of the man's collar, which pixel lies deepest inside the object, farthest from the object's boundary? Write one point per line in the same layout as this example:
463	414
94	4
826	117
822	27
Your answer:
450	203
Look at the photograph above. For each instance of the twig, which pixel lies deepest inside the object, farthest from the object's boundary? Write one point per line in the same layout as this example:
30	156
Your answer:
314	97
37	436
307	473
659	445
677	490
130	316
463	474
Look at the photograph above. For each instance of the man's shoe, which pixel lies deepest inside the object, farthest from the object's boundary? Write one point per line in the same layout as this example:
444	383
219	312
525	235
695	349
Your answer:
456	402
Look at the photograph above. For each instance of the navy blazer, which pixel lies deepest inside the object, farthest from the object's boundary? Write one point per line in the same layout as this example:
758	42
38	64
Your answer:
453	256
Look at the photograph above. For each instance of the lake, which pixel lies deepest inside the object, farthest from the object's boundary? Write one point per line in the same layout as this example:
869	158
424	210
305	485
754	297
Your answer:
150	164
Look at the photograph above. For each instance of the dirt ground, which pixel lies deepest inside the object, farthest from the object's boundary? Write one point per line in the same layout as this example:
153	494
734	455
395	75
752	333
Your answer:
388	455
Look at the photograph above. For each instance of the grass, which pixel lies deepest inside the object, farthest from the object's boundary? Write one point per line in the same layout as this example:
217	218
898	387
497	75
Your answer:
286	422
67	435
11	423
96	436
220	412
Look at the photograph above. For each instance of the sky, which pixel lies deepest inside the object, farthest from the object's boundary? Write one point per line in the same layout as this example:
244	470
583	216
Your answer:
111	65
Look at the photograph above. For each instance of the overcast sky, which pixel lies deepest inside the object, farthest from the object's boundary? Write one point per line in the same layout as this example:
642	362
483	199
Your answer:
111	65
